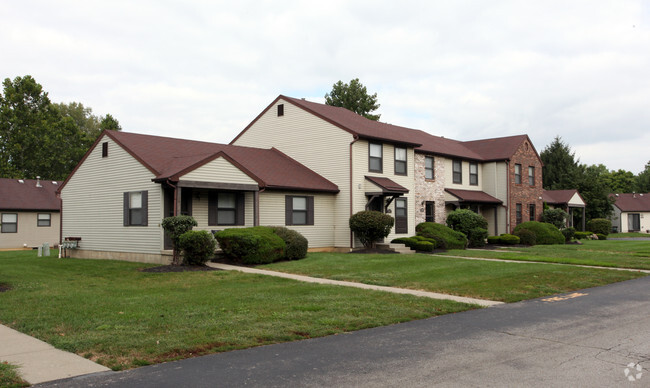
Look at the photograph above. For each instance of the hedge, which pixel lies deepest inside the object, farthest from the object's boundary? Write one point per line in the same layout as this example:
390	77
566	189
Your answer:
296	243
545	234
445	237
599	226
601	236
581	235
505	239
255	245
198	246
418	243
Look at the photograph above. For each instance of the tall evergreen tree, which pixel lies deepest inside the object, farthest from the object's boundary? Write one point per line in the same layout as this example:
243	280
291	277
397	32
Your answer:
643	180
560	166
354	97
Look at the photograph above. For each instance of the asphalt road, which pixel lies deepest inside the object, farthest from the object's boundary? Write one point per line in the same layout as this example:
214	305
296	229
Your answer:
583	339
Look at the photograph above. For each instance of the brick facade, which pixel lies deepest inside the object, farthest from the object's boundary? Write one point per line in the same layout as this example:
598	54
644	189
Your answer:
429	190
524	193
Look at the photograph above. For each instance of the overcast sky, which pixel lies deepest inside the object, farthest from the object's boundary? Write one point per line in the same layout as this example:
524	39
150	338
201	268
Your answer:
461	69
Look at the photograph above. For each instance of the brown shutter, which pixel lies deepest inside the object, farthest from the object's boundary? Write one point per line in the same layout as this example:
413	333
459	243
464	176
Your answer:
288	209
310	210
145	208
212	208
126	209
240	208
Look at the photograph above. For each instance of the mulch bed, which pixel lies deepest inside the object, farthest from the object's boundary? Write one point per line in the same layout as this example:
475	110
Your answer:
178	268
4	287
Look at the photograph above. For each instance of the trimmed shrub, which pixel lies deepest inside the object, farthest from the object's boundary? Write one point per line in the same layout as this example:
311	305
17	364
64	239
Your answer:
296	243
468	222
555	217
526	237
445	237
174	227
599	226
477	237
545	234
369	226
418	243
198	246
601	236
494	240
509	239
256	245
568	233
424	246
582	235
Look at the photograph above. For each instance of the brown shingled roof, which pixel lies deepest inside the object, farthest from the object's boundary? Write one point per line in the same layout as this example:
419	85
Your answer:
473	196
481	150
26	196
387	185
558	197
170	158
639	202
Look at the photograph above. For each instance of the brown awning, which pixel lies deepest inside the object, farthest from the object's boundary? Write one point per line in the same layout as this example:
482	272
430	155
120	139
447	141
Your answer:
387	186
473	196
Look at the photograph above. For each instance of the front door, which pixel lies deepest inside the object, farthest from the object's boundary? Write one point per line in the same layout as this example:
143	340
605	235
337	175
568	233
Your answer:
430	211
634	222
401	216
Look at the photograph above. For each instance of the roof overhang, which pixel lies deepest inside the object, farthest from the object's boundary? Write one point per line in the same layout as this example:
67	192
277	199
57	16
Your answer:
385	186
472	196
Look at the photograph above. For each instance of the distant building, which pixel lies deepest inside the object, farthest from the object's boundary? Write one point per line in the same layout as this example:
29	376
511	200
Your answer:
631	212
29	213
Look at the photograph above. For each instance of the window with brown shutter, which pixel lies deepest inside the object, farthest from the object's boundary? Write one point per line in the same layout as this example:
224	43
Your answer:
299	210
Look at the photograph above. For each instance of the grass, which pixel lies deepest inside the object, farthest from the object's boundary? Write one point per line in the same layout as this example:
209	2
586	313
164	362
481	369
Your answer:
9	377
111	313
629	234
507	282
607	253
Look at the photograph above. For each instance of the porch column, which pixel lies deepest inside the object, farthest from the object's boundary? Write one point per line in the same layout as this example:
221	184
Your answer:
583	219
496	220
177	201
256	208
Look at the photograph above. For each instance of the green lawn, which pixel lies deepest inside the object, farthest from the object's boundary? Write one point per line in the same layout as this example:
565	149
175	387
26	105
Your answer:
9	377
606	253
110	312
508	282
630	234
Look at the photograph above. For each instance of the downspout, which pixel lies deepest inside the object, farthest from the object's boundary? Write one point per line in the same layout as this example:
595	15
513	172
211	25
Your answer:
508	196
356	139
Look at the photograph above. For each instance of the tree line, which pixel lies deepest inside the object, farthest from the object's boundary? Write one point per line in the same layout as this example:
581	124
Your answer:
562	171
42	138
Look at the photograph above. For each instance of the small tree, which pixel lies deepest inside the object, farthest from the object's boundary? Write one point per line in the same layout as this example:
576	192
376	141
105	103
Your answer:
469	223
175	227
555	217
197	245
369	226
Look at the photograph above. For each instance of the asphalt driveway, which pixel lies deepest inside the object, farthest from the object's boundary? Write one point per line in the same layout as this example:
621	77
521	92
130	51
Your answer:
587	338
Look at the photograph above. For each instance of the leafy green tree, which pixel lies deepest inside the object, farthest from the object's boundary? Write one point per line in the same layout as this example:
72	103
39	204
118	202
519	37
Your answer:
620	181
109	122
560	168
643	180
353	96
83	117
594	190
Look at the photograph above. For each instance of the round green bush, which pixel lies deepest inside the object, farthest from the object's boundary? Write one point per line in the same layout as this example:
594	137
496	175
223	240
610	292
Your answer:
477	237
445	237
419	243
509	239
369	226
255	245
526	237
198	246
556	217
465	220
296	244
568	233
599	226
545	234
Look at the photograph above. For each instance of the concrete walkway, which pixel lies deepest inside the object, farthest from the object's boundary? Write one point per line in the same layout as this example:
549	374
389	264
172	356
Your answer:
39	361
395	290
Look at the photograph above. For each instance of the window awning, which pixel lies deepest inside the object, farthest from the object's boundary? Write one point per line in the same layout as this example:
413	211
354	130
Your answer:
472	196
385	186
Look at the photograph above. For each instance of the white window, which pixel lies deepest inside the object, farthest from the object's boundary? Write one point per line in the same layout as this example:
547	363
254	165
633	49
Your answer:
428	168
44	219
226	209
9	223
375	157
400	161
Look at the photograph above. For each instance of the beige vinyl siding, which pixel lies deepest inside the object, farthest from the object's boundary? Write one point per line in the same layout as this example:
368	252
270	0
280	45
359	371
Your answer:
29	234
200	211
360	185
317	144
218	170
320	235
644	218
449	175
93	203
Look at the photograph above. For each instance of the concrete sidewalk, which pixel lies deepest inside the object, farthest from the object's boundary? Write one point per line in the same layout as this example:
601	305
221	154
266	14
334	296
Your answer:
395	290
39	361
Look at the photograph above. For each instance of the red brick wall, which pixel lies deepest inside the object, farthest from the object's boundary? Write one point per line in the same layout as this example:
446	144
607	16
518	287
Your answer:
524	193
